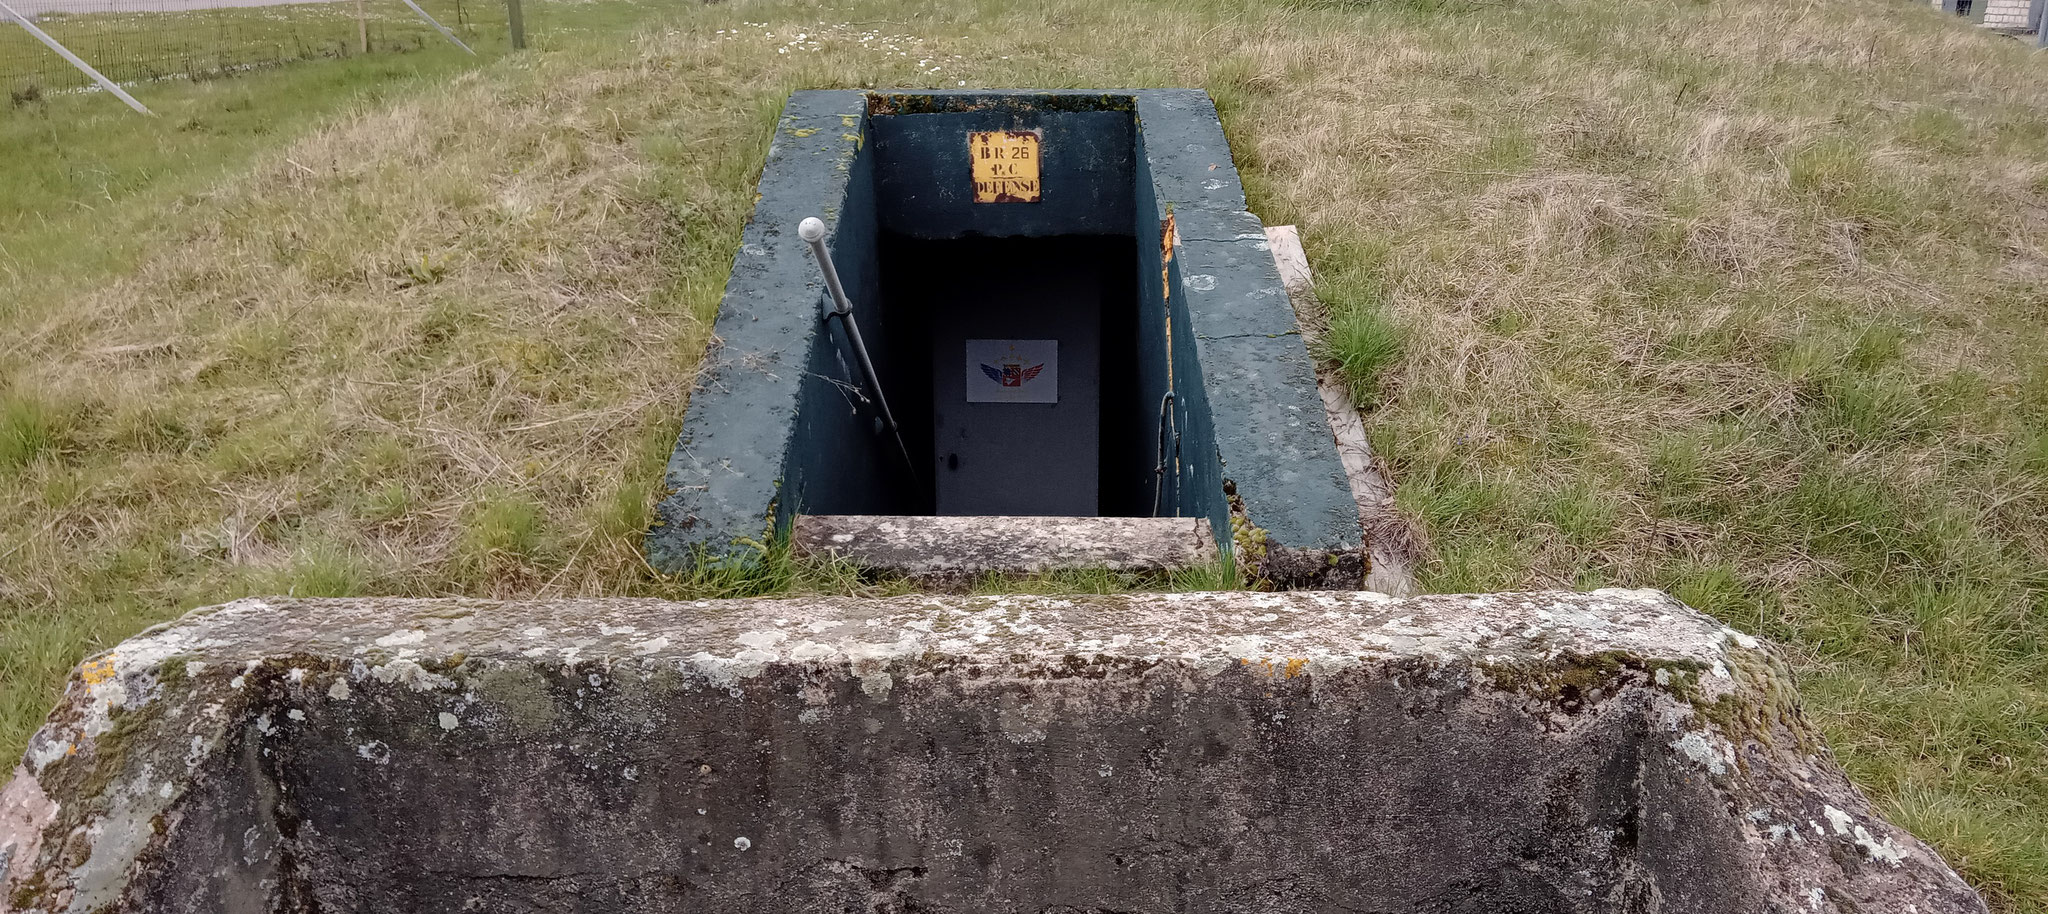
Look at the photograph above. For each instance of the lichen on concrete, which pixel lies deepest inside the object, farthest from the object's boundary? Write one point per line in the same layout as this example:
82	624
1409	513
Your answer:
950	551
1608	751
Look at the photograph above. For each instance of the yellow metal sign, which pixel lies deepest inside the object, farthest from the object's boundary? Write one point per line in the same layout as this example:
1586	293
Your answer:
1005	166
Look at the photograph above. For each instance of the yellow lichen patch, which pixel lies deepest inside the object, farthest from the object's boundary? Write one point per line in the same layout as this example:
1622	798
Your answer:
1295	665
803	131
97	671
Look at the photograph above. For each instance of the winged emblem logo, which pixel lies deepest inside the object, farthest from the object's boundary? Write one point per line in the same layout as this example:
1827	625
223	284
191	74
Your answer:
1011	374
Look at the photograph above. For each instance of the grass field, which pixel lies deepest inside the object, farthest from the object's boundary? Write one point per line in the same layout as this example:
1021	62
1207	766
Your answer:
143	47
1741	299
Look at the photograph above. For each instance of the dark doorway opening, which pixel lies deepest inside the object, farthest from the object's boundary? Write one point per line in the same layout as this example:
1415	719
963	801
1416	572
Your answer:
1017	363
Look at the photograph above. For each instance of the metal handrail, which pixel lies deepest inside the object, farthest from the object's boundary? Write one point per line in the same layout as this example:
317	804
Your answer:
812	231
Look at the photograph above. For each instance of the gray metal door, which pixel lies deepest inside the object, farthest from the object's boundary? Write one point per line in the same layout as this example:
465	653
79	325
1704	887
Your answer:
1003	443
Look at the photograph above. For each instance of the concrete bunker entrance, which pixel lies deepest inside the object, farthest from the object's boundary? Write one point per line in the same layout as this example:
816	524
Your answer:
1030	367
1004	320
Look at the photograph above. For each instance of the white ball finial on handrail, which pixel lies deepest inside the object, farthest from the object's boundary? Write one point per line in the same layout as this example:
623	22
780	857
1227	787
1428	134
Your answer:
812	229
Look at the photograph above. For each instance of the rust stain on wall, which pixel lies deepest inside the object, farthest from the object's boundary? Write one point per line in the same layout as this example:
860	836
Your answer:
1166	235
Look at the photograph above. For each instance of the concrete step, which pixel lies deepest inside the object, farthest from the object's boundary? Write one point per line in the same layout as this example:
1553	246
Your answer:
963	548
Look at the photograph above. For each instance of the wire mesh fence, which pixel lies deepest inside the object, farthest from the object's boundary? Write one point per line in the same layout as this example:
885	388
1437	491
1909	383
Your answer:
143	40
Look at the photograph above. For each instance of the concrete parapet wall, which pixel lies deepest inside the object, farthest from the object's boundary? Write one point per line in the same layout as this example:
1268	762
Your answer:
1241	752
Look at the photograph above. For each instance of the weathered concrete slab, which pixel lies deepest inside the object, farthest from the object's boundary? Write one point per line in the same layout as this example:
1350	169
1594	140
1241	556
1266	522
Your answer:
1241	752
956	549
1391	541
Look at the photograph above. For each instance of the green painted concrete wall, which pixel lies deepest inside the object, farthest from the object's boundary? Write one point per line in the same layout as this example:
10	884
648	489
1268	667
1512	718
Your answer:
777	423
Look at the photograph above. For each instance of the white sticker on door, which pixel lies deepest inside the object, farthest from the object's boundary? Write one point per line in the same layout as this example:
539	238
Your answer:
1013	371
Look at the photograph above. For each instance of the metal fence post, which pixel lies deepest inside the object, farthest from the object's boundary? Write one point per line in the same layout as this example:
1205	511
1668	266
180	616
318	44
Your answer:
518	23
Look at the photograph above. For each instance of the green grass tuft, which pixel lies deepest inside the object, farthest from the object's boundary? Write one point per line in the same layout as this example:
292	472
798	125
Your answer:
30	427
1364	343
